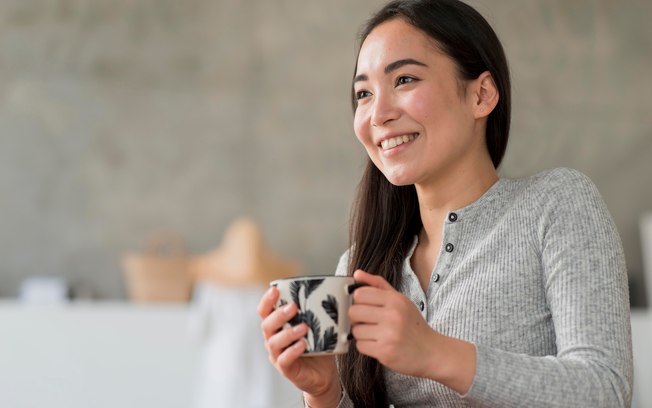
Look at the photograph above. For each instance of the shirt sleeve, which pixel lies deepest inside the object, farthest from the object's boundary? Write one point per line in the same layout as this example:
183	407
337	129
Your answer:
342	268
345	402
586	290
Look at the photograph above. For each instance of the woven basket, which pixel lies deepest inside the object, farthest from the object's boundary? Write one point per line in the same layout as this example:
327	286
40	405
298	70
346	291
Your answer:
160	272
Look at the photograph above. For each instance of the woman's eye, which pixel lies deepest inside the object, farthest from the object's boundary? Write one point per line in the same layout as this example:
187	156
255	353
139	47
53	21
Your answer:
362	94
402	80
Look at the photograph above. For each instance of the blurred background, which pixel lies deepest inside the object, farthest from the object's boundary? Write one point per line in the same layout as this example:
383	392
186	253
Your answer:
120	119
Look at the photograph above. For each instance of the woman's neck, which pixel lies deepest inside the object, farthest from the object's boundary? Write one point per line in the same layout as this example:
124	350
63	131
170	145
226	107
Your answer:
446	194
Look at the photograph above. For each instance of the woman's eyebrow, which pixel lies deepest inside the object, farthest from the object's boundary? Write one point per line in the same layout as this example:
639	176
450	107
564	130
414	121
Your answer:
402	62
393	66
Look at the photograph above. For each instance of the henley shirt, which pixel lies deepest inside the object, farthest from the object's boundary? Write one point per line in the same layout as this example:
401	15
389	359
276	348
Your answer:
533	274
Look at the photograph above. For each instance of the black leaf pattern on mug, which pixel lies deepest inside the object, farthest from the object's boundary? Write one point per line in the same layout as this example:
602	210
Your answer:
330	306
297	319
329	341
313	327
311	285
308	317
295	288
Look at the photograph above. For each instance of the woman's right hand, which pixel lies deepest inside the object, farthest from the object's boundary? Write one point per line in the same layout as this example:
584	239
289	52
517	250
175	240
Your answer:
315	376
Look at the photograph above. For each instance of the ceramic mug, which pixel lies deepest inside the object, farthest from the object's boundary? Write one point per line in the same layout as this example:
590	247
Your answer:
323	304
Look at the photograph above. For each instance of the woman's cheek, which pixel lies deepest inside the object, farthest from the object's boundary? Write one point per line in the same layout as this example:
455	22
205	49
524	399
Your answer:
361	131
357	128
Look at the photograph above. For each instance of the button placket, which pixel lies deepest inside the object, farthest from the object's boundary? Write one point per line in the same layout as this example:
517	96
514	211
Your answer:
450	235
452	217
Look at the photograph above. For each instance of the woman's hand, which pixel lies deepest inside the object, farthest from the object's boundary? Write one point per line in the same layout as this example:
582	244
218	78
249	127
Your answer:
316	376
388	327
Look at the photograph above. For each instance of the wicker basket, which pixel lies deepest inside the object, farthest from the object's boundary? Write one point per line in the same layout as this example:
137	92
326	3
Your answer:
160	272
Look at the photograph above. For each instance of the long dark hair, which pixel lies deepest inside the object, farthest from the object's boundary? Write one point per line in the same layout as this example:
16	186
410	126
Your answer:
386	217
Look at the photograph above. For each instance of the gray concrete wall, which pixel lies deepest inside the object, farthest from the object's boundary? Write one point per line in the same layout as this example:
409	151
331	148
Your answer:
119	118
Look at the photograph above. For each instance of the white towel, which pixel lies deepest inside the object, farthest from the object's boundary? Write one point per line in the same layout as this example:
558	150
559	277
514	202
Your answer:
235	370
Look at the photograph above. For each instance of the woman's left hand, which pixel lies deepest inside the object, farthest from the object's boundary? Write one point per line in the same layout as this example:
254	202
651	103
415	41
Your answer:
388	327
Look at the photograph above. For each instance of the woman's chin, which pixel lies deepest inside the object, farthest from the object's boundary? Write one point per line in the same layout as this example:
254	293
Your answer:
399	179
399	174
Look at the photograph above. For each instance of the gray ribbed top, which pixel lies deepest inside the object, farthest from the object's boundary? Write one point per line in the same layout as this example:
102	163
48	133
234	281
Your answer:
536	279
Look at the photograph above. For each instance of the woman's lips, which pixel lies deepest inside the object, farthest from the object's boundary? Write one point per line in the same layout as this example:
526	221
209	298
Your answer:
397	141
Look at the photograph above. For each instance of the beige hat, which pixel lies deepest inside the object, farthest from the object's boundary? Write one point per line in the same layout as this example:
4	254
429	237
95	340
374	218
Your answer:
242	259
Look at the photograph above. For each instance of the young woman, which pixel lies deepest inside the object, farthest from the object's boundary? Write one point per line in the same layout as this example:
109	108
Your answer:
483	291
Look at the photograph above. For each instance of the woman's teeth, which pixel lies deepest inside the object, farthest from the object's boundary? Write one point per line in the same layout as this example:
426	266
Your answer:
396	141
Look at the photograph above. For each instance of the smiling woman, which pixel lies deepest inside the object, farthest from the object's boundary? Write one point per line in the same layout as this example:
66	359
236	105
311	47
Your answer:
411	116
481	291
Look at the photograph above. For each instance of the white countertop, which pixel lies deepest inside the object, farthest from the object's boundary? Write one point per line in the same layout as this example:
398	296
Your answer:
118	354
106	355
96	355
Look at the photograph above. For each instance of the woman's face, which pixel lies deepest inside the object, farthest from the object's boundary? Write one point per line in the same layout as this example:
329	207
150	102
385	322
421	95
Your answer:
413	117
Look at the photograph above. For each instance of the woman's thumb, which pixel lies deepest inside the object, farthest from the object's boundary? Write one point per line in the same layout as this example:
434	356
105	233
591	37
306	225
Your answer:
376	281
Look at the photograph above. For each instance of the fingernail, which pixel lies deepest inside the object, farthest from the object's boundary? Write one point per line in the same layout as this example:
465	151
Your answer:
297	329
286	309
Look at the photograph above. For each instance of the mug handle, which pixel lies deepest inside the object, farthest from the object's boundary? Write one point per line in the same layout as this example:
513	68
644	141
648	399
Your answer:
352	287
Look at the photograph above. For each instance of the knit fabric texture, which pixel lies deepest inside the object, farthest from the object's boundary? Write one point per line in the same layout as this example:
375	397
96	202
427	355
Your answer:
533	274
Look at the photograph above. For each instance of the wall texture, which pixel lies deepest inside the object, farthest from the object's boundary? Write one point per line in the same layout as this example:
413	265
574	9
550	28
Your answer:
119	118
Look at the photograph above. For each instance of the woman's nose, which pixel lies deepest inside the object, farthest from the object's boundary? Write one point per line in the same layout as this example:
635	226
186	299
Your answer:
384	110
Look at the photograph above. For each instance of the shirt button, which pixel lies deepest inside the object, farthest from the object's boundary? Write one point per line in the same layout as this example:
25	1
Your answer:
435	277
452	217
422	305
449	247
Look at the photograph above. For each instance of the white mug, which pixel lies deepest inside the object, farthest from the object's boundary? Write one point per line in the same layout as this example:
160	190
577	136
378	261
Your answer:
323	304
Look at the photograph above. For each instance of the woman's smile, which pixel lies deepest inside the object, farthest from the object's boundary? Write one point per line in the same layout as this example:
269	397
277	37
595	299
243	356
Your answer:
394	141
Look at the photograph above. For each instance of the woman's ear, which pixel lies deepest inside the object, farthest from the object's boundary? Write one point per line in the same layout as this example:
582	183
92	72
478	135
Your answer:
485	95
